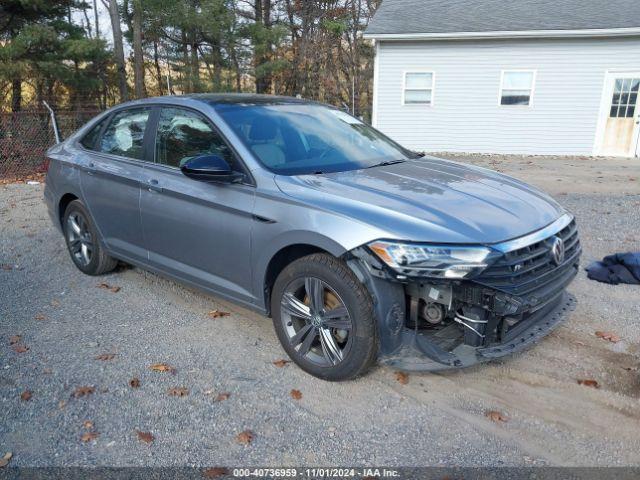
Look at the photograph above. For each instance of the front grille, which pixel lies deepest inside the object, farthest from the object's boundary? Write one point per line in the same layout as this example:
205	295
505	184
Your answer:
525	270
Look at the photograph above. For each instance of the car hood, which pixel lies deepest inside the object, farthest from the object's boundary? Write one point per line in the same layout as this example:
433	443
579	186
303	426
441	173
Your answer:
429	200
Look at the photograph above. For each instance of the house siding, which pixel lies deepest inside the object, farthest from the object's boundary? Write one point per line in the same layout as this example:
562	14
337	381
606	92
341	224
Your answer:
466	115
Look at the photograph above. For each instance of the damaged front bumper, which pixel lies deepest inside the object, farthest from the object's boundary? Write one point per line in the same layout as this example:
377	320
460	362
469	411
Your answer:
419	353
429	325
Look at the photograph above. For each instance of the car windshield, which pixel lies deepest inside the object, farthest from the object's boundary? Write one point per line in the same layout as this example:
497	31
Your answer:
298	139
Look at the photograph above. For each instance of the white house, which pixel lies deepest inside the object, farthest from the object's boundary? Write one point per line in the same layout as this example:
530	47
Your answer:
556	77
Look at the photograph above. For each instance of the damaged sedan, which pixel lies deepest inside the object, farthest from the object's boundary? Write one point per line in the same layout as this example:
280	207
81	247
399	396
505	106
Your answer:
360	250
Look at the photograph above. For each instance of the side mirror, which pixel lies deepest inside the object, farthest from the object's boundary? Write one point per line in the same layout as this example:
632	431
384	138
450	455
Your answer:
210	168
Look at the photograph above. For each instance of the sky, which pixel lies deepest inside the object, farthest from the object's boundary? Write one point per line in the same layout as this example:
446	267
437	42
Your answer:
103	18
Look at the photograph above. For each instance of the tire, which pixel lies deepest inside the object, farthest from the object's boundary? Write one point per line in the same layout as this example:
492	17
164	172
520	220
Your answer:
346	307
83	241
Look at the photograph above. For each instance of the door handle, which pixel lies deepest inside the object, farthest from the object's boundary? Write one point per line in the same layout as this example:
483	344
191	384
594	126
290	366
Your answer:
152	186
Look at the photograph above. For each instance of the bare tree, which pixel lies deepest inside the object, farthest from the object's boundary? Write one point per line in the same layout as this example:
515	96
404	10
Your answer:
118	49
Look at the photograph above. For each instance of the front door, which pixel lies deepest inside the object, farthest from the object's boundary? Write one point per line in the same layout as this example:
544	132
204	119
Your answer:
110	183
621	127
197	231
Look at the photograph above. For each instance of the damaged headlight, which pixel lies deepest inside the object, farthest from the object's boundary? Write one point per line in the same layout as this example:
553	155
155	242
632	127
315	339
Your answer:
436	261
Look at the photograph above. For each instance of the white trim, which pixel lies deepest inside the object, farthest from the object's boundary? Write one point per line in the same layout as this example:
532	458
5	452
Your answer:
432	89
605	109
594	32
376	76
532	89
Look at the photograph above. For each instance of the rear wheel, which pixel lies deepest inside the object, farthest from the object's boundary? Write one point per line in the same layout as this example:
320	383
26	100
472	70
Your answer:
83	242
323	317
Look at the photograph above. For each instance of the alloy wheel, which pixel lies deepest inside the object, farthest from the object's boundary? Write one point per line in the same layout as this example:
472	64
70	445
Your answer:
317	321
79	238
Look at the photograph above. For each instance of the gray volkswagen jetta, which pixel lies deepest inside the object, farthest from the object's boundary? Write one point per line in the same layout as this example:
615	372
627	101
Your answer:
359	249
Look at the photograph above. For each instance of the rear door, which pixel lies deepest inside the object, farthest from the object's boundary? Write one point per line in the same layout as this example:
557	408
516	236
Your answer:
197	231
621	130
110	181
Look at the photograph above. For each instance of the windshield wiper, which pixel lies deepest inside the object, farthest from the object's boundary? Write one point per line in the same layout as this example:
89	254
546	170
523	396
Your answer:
386	164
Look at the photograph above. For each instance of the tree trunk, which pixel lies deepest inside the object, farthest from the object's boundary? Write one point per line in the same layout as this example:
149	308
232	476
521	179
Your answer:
96	17
118	50
138	55
262	12
156	62
16	95
186	65
195	65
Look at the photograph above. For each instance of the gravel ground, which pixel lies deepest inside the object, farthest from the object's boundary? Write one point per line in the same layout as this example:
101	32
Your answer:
66	321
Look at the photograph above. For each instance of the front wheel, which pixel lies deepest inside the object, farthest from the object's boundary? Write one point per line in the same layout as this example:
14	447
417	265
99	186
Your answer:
323	317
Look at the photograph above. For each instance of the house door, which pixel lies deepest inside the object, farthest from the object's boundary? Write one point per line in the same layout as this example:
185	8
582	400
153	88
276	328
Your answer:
621	114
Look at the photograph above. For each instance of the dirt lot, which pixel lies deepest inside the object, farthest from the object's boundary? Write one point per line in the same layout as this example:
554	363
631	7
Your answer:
66	321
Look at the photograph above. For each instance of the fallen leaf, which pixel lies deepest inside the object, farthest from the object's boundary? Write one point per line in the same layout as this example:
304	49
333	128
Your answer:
88	424
89	436
245	437
20	348
402	378
215	472
47	371
4	461
40	316
218	314
497	417
62	404
26	395
6	266
55	303
281	363
111	288
162	367
146	437
221	397
612	337
83	391
178	392
134	382
13	339
588	383
296	394
106	356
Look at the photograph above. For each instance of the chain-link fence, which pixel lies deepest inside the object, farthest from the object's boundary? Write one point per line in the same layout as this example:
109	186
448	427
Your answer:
25	137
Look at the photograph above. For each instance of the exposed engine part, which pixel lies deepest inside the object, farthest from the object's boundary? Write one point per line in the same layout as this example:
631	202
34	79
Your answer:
431	292
433	313
474	321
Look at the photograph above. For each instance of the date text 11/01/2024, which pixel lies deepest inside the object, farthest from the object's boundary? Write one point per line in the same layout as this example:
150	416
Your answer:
316	472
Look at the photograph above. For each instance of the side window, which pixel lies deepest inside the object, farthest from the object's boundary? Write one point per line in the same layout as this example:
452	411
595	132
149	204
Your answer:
517	87
89	140
418	88
125	134
183	134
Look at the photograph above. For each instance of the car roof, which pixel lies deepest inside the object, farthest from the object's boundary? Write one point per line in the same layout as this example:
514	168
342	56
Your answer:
214	99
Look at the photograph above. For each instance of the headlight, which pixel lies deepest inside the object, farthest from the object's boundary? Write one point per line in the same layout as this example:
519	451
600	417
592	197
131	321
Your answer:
437	261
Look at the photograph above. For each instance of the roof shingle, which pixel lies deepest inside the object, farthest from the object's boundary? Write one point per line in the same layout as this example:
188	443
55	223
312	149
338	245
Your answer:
453	16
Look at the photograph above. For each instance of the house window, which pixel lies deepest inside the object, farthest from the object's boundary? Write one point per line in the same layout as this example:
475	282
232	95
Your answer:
625	96
517	87
418	88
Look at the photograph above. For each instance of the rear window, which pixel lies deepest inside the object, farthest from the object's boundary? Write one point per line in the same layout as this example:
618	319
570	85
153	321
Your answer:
90	139
125	134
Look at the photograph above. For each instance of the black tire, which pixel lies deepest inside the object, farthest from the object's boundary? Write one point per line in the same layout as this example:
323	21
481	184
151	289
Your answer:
100	262
335	275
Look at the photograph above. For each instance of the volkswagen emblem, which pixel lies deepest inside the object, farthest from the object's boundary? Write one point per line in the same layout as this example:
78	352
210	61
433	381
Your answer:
557	250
